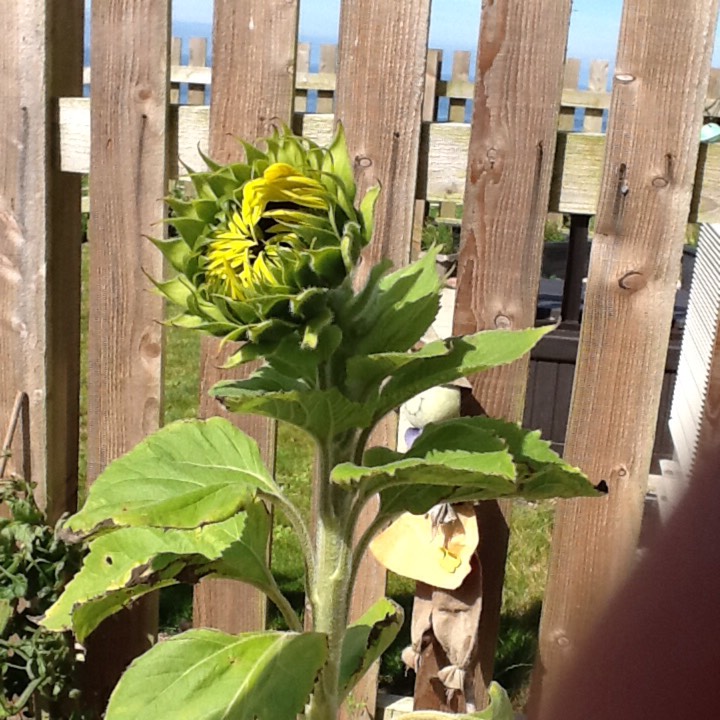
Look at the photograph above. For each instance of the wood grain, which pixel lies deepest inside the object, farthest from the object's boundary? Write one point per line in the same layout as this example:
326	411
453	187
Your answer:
128	168
253	92
40	244
512	146
379	101
640	230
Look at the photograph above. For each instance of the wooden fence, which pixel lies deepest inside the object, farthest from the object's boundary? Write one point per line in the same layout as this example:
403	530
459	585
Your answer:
518	159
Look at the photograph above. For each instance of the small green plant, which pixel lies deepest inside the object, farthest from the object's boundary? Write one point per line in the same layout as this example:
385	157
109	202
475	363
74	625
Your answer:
37	667
554	232
439	236
268	253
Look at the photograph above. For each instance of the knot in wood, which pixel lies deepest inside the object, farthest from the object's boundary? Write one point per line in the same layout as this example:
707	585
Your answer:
492	156
561	639
363	161
660	182
503	322
624	78
632	281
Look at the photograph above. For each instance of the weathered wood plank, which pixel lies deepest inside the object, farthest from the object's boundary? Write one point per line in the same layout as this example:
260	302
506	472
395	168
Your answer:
460	74
379	101
576	172
640	230
597	82
595	98
248	110
130	51
512	145
175	58
328	64
40	247
197	57
302	66
429	113
571	78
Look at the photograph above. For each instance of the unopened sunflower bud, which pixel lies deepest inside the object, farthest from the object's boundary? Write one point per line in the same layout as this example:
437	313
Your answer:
264	242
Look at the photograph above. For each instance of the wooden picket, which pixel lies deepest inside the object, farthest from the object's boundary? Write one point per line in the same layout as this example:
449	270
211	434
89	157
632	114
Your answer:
505	207
379	102
640	229
128	162
536	144
248	110
39	248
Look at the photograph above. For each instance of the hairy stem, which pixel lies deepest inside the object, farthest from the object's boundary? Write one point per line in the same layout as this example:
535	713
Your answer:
330	587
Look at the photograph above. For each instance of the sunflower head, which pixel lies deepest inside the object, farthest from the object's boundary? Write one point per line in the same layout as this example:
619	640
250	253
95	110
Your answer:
262	243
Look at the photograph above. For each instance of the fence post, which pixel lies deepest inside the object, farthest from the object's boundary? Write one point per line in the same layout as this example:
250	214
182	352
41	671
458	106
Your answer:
130	94
253	91
578	251
640	230
512	147
40	235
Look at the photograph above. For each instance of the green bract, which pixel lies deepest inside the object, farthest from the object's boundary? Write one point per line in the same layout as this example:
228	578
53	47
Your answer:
266	253
263	242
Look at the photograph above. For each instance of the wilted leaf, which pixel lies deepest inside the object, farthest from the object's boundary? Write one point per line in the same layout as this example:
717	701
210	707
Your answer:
366	640
209	675
127	563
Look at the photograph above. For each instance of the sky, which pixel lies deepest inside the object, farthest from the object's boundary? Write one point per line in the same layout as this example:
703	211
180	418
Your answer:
454	24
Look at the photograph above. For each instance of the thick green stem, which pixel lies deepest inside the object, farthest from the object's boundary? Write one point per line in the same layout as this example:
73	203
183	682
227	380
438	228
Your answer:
330	588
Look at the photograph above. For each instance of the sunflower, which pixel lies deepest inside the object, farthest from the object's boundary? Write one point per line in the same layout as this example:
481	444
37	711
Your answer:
244	258
263	243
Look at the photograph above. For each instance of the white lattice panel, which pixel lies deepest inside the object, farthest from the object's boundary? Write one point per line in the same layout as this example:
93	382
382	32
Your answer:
701	328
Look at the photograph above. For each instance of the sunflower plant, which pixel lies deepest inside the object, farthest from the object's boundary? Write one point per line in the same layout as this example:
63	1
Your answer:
267	253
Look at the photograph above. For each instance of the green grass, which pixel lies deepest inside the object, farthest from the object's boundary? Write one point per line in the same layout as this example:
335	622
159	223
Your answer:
527	560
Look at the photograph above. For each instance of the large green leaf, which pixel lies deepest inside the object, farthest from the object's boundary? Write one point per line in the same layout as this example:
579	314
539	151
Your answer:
366	640
322	413
127	563
471	464
187	474
500	708
460	460
465	356
542	473
209	675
